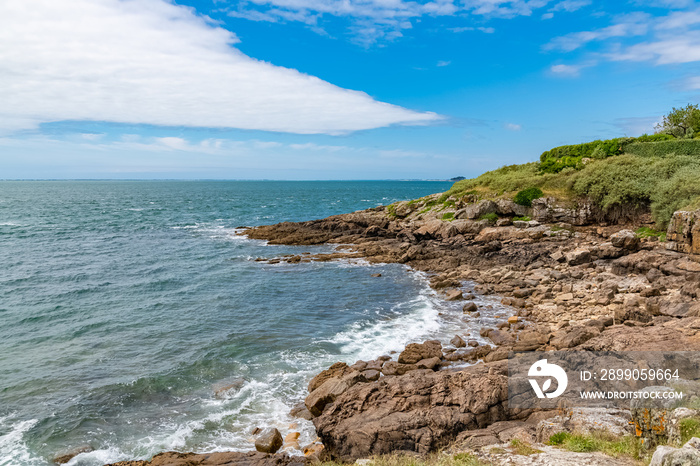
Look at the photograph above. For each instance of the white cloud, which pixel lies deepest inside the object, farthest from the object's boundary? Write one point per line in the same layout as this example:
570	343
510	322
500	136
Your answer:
152	62
444	63
635	24
485	30
566	70
548	16
376	20
512	126
570	5
685	49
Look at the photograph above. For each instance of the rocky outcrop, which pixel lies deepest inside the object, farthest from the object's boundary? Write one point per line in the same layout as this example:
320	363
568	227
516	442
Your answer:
420	411
683	232
548	210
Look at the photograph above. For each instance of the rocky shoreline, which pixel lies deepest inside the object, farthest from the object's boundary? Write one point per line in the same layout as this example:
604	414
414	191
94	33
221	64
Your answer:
572	282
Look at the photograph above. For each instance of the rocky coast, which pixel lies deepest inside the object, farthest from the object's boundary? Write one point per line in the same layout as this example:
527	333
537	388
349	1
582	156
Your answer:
572	281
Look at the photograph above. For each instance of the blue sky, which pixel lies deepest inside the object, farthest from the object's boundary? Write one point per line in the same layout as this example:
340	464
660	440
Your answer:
330	89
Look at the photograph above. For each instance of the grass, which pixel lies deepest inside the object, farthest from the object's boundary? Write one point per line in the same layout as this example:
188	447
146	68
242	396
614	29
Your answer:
646	232
436	459
522	219
448	216
521	448
689	427
617	446
391	210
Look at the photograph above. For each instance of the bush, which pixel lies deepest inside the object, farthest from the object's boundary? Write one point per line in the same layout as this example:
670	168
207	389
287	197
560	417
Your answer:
654	137
558	438
491	217
665	147
555	160
448	216
526	196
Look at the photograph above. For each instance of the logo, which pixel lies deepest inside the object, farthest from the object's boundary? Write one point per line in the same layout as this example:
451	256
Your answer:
543	369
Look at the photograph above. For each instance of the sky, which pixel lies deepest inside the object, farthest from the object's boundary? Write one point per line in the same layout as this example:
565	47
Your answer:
330	89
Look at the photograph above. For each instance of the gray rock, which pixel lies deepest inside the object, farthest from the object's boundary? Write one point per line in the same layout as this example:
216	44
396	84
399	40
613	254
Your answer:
475	211
269	441
625	239
688	455
414	352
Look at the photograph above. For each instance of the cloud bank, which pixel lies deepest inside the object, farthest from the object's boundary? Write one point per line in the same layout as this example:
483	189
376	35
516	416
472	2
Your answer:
152	62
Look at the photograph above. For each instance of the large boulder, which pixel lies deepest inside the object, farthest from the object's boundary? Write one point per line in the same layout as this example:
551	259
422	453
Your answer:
269	441
547	210
420	411
475	211
625	239
336	371
415	352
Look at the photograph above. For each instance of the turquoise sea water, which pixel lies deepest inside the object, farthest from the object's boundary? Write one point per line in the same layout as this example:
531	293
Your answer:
125	305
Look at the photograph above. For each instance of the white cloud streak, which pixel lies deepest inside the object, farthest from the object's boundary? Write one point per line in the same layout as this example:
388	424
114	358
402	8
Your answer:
153	62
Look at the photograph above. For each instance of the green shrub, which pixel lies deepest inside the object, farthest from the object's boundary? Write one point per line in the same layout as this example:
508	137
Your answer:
663	148
654	137
391	210
522	219
559	158
558	438
526	196
491	217
448	216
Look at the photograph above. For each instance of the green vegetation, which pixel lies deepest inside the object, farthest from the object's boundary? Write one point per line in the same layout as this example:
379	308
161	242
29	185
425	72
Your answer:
646	232
522	448
448	216
683	122
491	217
663	148
391	210
436	459
626	446
689	427
526	196
524	218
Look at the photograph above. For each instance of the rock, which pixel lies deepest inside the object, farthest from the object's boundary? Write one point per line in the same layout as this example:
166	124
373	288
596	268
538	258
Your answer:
430	363
337	370
469	307
269	441
574	337
291	440
250	458
376	275
370	375
312	450
414	352
473	343
475	211
359	366
453	295
458	342
546	210
683	234
325	394
625	239
420	411
585	421
69	455
513	319
650	416
688	455
499	337
301	411
578	256
221	390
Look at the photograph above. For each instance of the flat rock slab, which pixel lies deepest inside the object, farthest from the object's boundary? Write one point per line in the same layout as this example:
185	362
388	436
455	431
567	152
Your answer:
552	456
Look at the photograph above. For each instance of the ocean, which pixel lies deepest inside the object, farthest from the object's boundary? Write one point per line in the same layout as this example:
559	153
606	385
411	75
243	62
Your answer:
126	305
